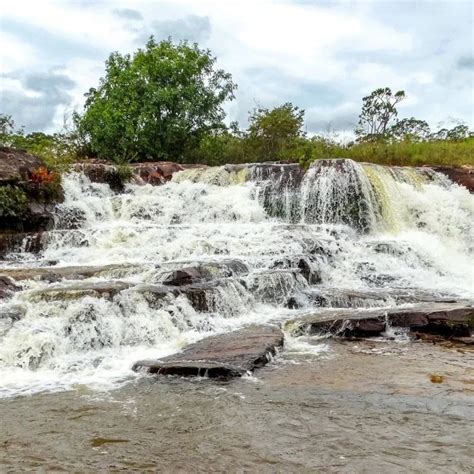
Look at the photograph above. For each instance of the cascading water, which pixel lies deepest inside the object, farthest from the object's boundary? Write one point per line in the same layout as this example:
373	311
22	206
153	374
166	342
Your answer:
270	240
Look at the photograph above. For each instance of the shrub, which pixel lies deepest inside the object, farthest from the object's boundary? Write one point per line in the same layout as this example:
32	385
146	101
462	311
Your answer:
13	202
44	186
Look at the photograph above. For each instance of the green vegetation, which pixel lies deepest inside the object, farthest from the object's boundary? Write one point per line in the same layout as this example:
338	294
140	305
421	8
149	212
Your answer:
13	202
165	102
157	104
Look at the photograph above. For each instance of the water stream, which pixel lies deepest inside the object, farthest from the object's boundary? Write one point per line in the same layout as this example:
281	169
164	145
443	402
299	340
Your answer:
276	241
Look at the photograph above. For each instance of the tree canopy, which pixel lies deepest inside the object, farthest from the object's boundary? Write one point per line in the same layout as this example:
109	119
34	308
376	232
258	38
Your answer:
156	104
274	134
378	113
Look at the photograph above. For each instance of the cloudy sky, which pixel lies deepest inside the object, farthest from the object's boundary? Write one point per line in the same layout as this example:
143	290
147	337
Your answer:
321	55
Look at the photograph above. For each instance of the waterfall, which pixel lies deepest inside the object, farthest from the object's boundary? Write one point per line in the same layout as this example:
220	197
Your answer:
267	240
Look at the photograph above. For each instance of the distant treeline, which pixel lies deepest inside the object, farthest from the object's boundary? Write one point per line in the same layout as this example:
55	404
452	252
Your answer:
165	101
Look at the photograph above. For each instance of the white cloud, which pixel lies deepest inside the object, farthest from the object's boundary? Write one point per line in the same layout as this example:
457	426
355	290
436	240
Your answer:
322	56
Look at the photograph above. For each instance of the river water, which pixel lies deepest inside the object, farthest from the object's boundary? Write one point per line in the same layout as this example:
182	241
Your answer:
277	242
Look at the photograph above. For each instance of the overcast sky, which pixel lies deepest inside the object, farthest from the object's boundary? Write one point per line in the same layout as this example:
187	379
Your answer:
322	56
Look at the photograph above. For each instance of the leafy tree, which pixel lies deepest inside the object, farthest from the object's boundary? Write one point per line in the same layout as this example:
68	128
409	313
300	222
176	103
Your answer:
378	114
275	134
156	104
410	128
7	126
458	132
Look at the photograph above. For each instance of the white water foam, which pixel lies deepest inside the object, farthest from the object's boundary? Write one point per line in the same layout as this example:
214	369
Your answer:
416	236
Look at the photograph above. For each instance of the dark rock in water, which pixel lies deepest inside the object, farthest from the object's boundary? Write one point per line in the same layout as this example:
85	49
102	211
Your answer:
20	242
184	276
69	218
204	271
227	355
7	286
445	319
306	264
200	296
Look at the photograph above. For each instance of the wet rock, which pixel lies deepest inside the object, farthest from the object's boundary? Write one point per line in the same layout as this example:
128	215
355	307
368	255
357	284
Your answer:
307	266
11	242
106	290
200	296
100	171
69	273
184	276
8	317
7	286
462	175
445	319
155	173
204	271
69	218
274	286
227	355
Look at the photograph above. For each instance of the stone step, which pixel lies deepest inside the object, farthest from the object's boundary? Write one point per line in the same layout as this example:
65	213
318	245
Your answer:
226	355
445	319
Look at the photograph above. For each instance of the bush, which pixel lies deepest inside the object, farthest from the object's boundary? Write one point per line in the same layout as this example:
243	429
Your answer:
13	202
44	186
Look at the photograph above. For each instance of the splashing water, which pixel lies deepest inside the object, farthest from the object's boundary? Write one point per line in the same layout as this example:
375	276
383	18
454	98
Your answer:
272	238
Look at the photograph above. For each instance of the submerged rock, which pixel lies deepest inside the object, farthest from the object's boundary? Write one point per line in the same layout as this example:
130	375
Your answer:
226	355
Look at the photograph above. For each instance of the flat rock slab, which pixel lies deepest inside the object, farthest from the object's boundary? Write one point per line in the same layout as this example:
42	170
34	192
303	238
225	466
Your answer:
226	355
446	319
68	273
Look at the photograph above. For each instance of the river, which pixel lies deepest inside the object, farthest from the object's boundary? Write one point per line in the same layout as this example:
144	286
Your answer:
275	242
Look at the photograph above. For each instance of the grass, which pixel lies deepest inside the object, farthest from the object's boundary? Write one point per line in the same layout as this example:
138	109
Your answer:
405	153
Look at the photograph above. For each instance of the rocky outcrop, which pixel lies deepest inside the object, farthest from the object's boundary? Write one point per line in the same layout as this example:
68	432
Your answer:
21	242
444	319
227	355
16	165
462	175
116	176
28	192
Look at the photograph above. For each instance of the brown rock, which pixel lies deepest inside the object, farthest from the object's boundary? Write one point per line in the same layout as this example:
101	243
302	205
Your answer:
444	319
16	165
463	175
7	286
227	355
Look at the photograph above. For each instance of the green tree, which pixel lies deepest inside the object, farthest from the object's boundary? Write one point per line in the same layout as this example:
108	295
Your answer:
411	129
378	114
156	104
275	134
